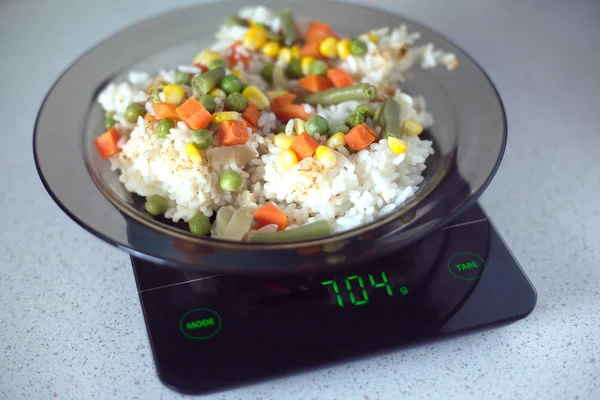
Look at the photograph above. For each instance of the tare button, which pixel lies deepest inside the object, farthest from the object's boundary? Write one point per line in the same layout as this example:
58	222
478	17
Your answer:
200	323
466	266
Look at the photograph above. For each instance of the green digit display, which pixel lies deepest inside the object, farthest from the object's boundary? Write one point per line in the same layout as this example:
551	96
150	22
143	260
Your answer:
365	296
382	284
404	290
336	290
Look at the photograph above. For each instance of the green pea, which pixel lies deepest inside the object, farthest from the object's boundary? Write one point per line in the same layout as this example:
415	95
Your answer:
183	78
294	69
318	67
207	102
316	124
280	129
333	129
358	47
354	119
216	64
231	84
156	205
202	138
267	72
365	110
109	122
236	102
163	129
199	224
230	180
156	95
133	111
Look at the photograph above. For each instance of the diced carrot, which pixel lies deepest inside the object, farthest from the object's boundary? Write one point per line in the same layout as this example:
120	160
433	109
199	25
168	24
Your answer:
150	118
318	31
235	54
314	83
284	100
371	131
107	143
304	146
339	77
290	111
359	137
251	115
202	67
232	133
164	110
269	214
194	114
311	49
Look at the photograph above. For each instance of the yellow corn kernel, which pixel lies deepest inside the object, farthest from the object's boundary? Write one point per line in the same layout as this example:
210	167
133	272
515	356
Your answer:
271	49
411	127
174	93
286	159
343	48
326	156
193	154
296	53
373	37
283	141
238	73
285	55
271	94
306	62
328	47
222	116
336	140
254	95
218	92
256	37
398	146
206	56
299	126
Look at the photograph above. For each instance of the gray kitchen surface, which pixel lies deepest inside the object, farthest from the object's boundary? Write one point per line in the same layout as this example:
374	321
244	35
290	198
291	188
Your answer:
71	326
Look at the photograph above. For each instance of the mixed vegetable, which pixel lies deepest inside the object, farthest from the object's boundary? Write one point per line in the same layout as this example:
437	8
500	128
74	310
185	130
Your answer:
221	107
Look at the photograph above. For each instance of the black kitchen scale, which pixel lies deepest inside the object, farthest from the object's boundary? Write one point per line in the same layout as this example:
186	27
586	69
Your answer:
210	333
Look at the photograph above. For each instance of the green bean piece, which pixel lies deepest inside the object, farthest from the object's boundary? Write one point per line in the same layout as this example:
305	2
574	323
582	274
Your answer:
230	180
305	232
183	78
365	110
273	36
163	129
376	115
236	102
216	64
231	84
133	111
358	92
267	72
390	118
294	70
156	95
199	224
204	83
288	27
202	138
280	129
156	205
208	102
358	47
316	124
232	20
318	67
354	119
267	27
333	129
109	122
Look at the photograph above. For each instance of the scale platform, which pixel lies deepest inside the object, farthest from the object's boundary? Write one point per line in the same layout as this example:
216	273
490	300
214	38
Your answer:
210	333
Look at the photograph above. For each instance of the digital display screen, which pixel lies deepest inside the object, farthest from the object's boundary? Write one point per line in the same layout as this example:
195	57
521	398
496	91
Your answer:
355	289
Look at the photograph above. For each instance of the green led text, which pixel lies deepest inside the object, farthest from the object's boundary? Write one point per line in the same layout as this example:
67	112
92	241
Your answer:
200	324
468	265
356	288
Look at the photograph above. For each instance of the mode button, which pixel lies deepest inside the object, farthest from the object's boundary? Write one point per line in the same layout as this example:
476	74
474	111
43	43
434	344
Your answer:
200	323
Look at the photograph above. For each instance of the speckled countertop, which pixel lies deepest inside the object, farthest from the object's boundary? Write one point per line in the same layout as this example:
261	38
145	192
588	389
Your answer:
70	321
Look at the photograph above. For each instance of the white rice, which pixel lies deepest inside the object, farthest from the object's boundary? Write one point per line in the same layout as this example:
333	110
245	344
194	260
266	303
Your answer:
359	188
